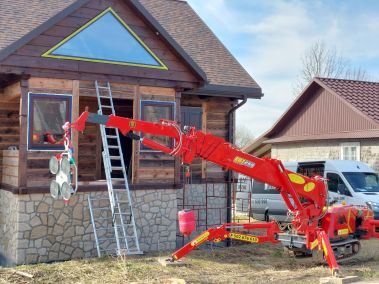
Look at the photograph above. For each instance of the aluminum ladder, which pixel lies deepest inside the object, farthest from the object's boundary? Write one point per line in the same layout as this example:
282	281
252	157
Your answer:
120	235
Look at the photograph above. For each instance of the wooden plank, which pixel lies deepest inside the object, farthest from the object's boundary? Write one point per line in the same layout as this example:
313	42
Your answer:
156	173
157	91
60	74
204	128
178	116
136	144
23	153
48	83
75	115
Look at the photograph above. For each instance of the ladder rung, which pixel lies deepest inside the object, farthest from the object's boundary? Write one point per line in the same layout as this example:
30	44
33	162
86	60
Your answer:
100	219
117	168
111	136
109	249
112	147
96	199
115	157
103	106
101	208
102	87
105	239
105	97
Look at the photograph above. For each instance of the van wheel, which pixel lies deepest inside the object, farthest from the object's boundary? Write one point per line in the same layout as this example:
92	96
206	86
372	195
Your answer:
267	217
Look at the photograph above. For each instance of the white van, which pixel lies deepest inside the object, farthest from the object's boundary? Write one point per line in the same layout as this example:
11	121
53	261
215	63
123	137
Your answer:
350	181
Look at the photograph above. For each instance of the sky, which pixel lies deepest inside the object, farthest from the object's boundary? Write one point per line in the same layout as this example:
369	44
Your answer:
269	37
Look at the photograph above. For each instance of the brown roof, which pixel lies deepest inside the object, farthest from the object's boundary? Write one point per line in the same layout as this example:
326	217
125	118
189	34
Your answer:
188	29
20	17
360	107
362	95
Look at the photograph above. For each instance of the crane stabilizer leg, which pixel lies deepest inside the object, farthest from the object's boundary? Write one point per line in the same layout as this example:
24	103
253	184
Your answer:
323	244
224	232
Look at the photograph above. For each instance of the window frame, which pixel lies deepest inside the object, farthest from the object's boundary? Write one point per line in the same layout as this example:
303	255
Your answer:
46	147
144	103
50	53
350	145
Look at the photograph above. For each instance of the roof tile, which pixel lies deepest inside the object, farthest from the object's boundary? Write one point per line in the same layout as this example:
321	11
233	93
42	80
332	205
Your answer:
19	17
361	94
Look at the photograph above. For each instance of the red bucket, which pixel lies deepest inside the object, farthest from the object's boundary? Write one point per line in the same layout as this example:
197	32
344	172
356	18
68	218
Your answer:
187	222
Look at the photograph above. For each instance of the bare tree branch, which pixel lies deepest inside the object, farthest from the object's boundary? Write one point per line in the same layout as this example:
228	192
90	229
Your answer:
319	60
243	136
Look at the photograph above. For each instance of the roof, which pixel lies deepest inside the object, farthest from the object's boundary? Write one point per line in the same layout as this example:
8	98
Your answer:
198	46
361	98
362	95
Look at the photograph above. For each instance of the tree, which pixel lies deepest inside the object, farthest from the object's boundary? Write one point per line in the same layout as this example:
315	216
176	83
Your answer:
243	136
319	60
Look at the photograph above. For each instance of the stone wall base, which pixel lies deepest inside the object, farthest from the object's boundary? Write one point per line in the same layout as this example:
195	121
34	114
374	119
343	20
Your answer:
36	228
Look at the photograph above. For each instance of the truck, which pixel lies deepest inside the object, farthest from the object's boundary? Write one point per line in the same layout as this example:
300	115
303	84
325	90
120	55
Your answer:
350	182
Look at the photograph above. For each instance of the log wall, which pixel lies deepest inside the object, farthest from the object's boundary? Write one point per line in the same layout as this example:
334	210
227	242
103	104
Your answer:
9	133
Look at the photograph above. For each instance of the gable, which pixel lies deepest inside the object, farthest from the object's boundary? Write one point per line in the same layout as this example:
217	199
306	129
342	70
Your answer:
106	39
30	55
322	115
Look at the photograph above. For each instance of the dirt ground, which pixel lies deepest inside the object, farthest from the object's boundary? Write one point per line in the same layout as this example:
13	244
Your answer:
241	264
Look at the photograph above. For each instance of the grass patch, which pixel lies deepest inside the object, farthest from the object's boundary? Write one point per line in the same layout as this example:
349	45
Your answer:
247	264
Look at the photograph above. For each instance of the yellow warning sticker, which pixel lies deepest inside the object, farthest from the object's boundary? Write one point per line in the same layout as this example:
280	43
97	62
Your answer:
296	178
203	237
309	187
132	124
343	232
314	244
241	161
245	238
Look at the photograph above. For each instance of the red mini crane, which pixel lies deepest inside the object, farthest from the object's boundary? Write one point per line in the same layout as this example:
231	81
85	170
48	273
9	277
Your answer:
335	230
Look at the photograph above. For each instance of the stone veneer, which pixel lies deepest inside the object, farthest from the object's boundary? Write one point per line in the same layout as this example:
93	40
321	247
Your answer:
330	149
36	228
196	198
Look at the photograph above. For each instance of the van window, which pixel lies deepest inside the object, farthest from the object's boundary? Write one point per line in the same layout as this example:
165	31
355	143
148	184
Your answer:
311	169
263	188
336	184
363	182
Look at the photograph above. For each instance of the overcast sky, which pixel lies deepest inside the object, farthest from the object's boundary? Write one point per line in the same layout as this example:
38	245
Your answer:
269	37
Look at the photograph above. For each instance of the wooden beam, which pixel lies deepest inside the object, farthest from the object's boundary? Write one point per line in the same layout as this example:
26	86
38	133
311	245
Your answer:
23	151
49	83
136	144
178	117
204	129
75	115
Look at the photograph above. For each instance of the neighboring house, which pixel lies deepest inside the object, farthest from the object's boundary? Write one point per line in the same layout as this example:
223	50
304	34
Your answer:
161	60
331	119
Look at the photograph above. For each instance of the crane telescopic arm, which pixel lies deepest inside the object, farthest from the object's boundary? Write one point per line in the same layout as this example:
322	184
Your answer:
304	196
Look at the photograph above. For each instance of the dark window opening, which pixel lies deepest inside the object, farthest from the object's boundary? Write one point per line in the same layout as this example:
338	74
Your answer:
154	111
191	116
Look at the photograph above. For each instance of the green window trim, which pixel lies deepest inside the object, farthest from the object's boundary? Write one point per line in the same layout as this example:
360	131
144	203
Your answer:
49	53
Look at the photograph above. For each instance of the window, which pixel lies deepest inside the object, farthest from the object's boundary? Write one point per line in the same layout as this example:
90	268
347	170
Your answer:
350	151
336	184
106	39
154	111
192	116
47	114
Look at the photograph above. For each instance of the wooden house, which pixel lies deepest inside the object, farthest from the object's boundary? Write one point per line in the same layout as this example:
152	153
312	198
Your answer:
330	119
161	60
